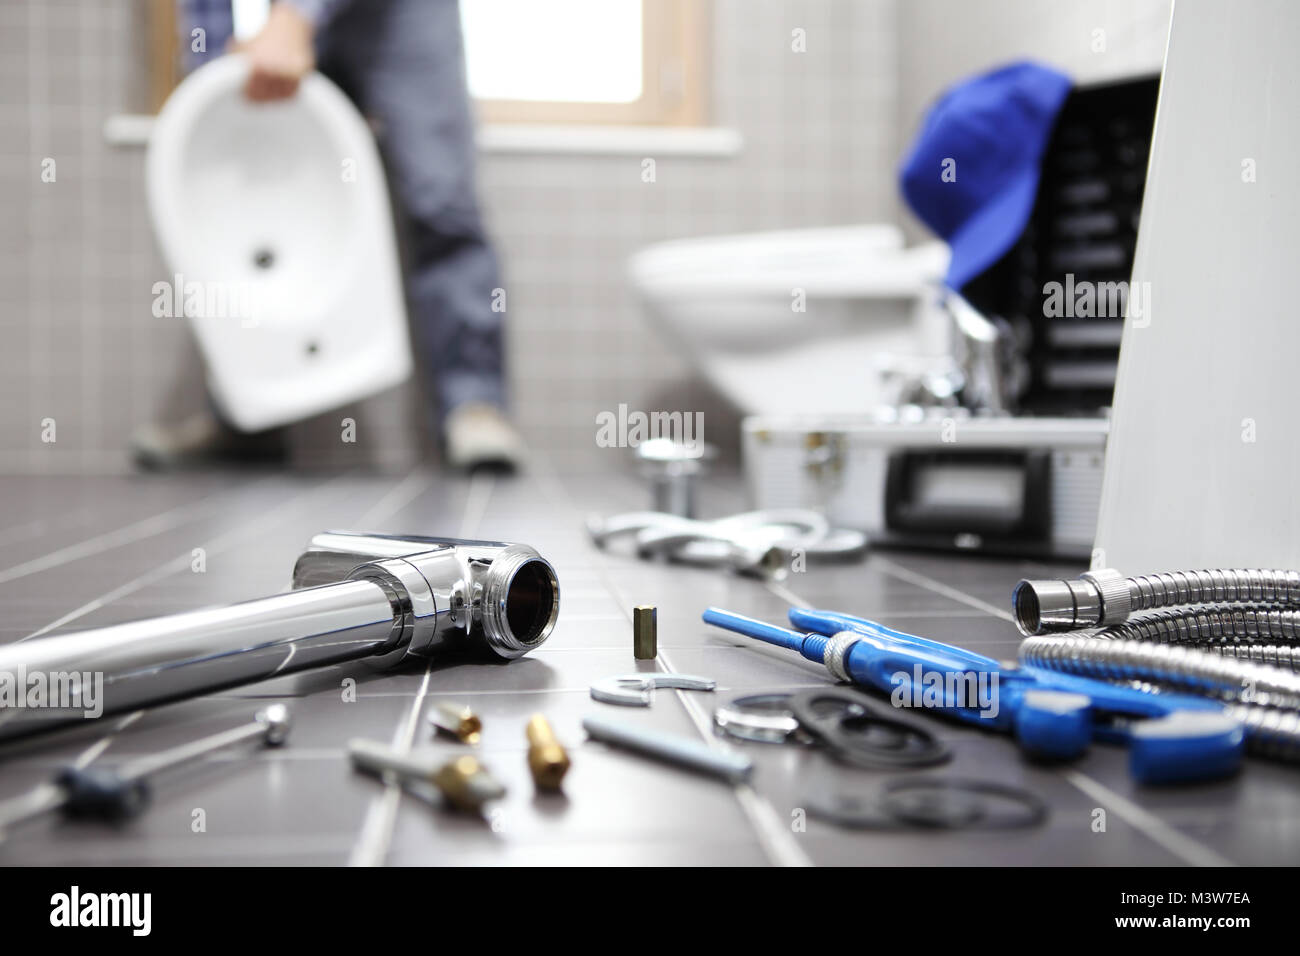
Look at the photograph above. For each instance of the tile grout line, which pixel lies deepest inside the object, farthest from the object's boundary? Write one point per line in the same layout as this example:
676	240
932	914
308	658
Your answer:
139	530
96	749
371	847
212	546
417	481
13	534
376	836
1145	822
930	584
1157	830
776	842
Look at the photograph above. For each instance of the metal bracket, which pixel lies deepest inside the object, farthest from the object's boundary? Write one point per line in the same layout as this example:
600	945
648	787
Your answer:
637	690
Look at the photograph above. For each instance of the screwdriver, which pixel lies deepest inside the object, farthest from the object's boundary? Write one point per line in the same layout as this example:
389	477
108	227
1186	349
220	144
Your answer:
115	794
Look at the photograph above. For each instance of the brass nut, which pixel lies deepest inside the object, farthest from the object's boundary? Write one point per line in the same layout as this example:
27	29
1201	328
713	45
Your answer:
457	720
645	632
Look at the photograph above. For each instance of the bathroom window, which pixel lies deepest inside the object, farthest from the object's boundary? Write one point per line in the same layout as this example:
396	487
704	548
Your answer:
636	62
587	61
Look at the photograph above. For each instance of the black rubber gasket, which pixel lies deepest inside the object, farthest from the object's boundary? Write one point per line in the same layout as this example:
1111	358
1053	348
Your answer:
852	810
918	801
930	803
855	732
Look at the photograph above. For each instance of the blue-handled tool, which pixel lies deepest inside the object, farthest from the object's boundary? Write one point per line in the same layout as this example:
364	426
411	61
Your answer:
1171	737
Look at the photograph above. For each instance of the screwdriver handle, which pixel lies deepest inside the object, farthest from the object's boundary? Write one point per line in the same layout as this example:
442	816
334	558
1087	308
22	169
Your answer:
101	794
380	759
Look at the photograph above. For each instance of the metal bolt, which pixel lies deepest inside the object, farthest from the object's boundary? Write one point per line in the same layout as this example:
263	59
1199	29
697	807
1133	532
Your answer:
645	632
547	758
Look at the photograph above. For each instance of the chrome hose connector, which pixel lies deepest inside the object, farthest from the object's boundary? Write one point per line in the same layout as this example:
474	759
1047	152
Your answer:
1115	594
1105	597
1039	607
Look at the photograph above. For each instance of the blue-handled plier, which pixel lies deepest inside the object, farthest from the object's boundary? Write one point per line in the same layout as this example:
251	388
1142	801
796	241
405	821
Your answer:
1171	737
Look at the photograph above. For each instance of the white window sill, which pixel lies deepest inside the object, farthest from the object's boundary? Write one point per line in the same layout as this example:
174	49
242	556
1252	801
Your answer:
610	140
133	129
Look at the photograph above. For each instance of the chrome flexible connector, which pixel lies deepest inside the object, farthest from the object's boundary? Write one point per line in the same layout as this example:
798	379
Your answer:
1269	732
1263	698
1265	635
1172	665
1233	635
1105	597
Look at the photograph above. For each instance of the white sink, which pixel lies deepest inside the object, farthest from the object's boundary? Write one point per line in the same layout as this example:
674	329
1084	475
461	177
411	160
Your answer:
275	220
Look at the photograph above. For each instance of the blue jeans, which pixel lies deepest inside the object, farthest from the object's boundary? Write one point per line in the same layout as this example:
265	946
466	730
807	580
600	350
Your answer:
402	62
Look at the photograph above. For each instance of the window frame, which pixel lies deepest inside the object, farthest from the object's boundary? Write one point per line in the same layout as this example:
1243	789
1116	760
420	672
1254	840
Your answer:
674	80
674	36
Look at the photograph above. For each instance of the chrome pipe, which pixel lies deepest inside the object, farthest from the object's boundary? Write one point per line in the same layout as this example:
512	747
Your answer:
376	597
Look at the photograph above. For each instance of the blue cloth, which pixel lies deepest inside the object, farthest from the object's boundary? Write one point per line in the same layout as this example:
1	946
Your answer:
402	63
972	174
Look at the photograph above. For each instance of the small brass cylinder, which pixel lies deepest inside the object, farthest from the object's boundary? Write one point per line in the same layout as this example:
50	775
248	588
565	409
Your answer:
547	758
457	720
645	632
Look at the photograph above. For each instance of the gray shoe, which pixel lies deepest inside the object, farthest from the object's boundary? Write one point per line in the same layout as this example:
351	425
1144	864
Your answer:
478	435
202	439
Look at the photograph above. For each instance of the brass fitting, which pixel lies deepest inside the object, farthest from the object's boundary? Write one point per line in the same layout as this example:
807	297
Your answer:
467	784
457	720
645	632
547	758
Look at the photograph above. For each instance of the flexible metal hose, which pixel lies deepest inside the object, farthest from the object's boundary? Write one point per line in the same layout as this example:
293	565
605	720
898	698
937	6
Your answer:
1236	640
1265	699
1186	668
1251	633
1218	585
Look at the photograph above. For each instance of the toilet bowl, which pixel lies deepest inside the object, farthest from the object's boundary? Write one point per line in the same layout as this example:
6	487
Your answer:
800	321
274	220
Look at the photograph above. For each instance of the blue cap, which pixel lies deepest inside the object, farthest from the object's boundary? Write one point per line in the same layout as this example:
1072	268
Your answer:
972	174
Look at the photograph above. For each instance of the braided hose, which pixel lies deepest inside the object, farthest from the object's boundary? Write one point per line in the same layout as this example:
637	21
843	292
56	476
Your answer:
1186	668
1250	633
1266	700
1244	586
1269	732
1229	634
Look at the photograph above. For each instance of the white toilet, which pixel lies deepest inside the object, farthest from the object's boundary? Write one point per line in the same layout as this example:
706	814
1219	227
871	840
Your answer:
732	305
275	222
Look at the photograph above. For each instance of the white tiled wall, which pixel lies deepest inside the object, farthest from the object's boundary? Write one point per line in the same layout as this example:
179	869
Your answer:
822	131
78	343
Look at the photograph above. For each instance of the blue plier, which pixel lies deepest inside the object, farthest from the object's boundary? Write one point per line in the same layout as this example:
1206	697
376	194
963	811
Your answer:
1171	737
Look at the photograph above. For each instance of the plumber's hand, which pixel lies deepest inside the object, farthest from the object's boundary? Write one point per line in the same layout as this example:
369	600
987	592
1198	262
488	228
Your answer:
279	56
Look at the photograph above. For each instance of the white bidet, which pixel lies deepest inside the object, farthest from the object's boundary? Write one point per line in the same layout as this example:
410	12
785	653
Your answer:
275	222
802	321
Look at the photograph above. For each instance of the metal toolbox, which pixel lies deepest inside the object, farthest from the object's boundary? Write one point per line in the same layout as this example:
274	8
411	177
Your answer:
1029	486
